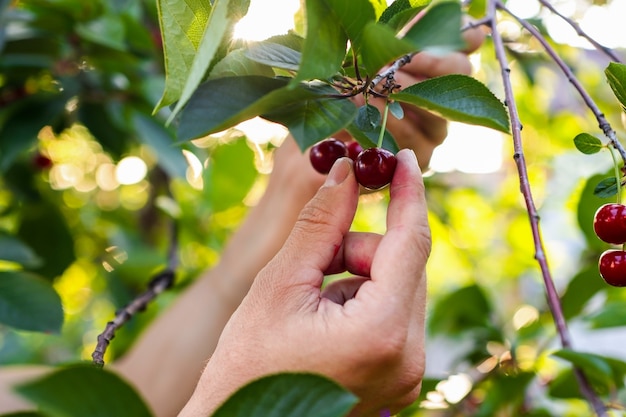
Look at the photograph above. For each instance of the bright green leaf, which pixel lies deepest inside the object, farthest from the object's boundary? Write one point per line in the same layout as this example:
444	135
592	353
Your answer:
368	118
587	144
182	25
439	30
324	45
231	173
612	314
238	63
588	203
275	55
616	76
353	16
606	188
459	98
580	289
402	12
14	250
289	395
28	302
84	390
380	47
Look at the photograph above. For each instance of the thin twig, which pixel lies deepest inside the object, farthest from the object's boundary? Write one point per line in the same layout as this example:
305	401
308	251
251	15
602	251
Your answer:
551	292
389	72
580	32
602	121
159	283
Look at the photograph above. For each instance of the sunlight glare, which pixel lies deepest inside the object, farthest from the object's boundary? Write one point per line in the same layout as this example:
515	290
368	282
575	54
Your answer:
264	21
469	149
130	170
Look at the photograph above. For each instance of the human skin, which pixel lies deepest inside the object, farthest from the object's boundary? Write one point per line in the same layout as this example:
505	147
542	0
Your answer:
366	332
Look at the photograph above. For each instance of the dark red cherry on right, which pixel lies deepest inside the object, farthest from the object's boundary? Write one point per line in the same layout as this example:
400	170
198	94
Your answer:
374	168
612	266
609	223
324	154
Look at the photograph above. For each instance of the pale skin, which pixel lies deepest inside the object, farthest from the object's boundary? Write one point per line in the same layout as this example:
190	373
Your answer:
171	355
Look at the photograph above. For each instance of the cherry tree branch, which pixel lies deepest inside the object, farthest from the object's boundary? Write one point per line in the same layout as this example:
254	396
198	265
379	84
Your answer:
516	128
603	123
580	32
159	283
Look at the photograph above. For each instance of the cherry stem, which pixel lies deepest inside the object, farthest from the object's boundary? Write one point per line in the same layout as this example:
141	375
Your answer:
516	127
383	126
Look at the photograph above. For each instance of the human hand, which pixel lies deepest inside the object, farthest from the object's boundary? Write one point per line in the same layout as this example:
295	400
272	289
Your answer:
365	332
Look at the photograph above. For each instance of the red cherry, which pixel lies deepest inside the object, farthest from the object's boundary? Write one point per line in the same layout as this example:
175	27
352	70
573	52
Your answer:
374	168
612	266
354	149
609	223
324	154
42	161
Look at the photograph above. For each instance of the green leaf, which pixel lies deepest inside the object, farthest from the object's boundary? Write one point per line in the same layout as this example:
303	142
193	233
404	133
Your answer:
463	309
314	119
24	414
580	290
439	30
108	30
588	203
231	173
275	55
155	135
45	230
370	139
14	250
238	63
459	98
28	302
224	14
612	314
606	188
396	110
616	76
353	16
368	118
289	395
380	47
84	390
182	25
594	366
587	144
402	12
222	103
324	45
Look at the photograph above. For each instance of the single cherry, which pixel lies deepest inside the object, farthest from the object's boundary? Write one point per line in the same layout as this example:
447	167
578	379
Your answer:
609	223
354	149
324	154
374	168
612	266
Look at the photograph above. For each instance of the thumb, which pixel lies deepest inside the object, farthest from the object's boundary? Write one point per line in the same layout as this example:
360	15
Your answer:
318	233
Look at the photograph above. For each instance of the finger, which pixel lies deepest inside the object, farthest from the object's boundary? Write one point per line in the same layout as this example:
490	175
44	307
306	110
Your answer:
355	255
399	262
474	38
426	65
319	231
343	290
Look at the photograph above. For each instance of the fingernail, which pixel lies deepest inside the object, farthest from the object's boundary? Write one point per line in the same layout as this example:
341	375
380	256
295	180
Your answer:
339	172
408	156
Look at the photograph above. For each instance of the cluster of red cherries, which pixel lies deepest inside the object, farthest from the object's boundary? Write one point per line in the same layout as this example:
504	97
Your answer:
373	167
609	223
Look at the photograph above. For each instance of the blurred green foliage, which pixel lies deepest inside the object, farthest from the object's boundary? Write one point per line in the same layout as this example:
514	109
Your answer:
78	84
